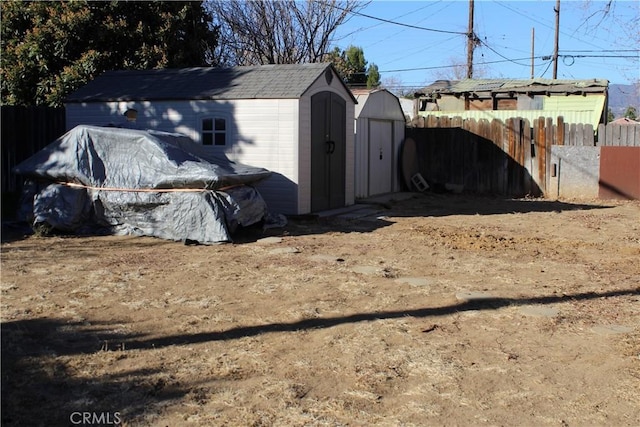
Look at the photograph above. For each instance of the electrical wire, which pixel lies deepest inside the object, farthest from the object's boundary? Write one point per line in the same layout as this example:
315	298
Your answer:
388	21
458	65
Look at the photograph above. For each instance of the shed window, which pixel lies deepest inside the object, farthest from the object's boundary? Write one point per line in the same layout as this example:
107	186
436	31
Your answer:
214	131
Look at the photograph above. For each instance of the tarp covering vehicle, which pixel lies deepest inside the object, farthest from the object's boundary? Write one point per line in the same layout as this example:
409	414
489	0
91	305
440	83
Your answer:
139	182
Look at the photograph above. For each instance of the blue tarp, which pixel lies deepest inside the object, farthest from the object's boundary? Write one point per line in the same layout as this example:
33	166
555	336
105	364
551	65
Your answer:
140	182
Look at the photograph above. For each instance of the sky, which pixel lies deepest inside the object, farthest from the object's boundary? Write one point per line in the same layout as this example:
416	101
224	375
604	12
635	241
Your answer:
591	44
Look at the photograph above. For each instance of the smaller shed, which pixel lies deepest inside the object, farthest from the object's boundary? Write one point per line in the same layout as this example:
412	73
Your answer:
379	131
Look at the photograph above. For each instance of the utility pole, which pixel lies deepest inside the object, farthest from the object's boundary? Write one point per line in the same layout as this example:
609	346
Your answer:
533	38
471	39
555	48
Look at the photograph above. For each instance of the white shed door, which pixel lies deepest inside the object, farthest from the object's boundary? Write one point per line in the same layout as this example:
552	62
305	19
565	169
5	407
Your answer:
380	157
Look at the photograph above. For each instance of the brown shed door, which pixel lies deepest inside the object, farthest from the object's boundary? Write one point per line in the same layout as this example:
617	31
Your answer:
328	151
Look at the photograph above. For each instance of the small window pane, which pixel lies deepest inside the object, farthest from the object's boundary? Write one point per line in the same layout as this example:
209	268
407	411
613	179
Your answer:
221	124
207	124
207	139
220	139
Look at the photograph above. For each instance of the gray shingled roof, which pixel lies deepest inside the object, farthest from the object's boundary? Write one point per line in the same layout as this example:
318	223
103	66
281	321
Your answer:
265	81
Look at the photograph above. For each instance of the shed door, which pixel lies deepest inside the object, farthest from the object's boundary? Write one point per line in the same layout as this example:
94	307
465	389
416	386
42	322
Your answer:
380	157
328	151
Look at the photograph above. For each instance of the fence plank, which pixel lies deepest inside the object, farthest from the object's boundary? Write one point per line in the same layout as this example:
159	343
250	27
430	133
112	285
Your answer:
617	132
609	139
542	153
601	134
529	184
559	131
26	130
548	142
588	136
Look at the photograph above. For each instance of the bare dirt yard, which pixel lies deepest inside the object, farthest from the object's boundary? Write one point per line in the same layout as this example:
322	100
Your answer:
434	310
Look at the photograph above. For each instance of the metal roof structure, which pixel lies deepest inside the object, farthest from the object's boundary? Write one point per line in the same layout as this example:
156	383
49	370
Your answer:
529	86
202	83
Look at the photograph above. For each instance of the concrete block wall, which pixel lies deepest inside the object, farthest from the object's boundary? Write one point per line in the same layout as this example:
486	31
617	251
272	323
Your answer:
574	172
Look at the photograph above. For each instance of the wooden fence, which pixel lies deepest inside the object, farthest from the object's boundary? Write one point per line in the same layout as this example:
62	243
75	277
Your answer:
511	158
625	135
25	131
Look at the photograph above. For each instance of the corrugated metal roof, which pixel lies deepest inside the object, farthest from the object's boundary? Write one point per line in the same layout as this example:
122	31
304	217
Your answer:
266	81
512	85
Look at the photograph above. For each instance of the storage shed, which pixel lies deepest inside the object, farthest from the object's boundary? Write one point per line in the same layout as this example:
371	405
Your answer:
380	124
295	120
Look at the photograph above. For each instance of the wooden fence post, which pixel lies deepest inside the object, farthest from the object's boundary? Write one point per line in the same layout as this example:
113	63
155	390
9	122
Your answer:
529	182
547	147
560	131
541	153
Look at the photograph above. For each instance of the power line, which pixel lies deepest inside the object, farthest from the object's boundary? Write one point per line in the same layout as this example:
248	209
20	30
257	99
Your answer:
388	21
483	43
542	57
608	50
458	65
376	25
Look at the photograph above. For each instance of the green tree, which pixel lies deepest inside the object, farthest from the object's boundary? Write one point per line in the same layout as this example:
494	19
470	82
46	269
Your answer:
49	49
352	67
356	66
373	76
631	113
610	116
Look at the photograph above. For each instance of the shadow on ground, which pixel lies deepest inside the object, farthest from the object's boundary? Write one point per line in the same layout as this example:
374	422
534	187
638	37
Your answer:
322	323
371	214
40	387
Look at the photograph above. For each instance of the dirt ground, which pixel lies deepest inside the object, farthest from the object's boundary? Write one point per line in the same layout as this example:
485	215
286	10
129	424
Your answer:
435	310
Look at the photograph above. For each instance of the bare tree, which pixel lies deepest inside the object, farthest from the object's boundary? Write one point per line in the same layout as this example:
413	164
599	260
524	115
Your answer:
599	14
457	70
278	32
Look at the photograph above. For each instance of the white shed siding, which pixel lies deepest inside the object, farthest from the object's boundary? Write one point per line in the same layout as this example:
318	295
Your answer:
263	133
267	137
362	157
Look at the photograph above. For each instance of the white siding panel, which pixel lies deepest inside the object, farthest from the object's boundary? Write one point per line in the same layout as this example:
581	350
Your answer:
167	116
362	158
267	137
